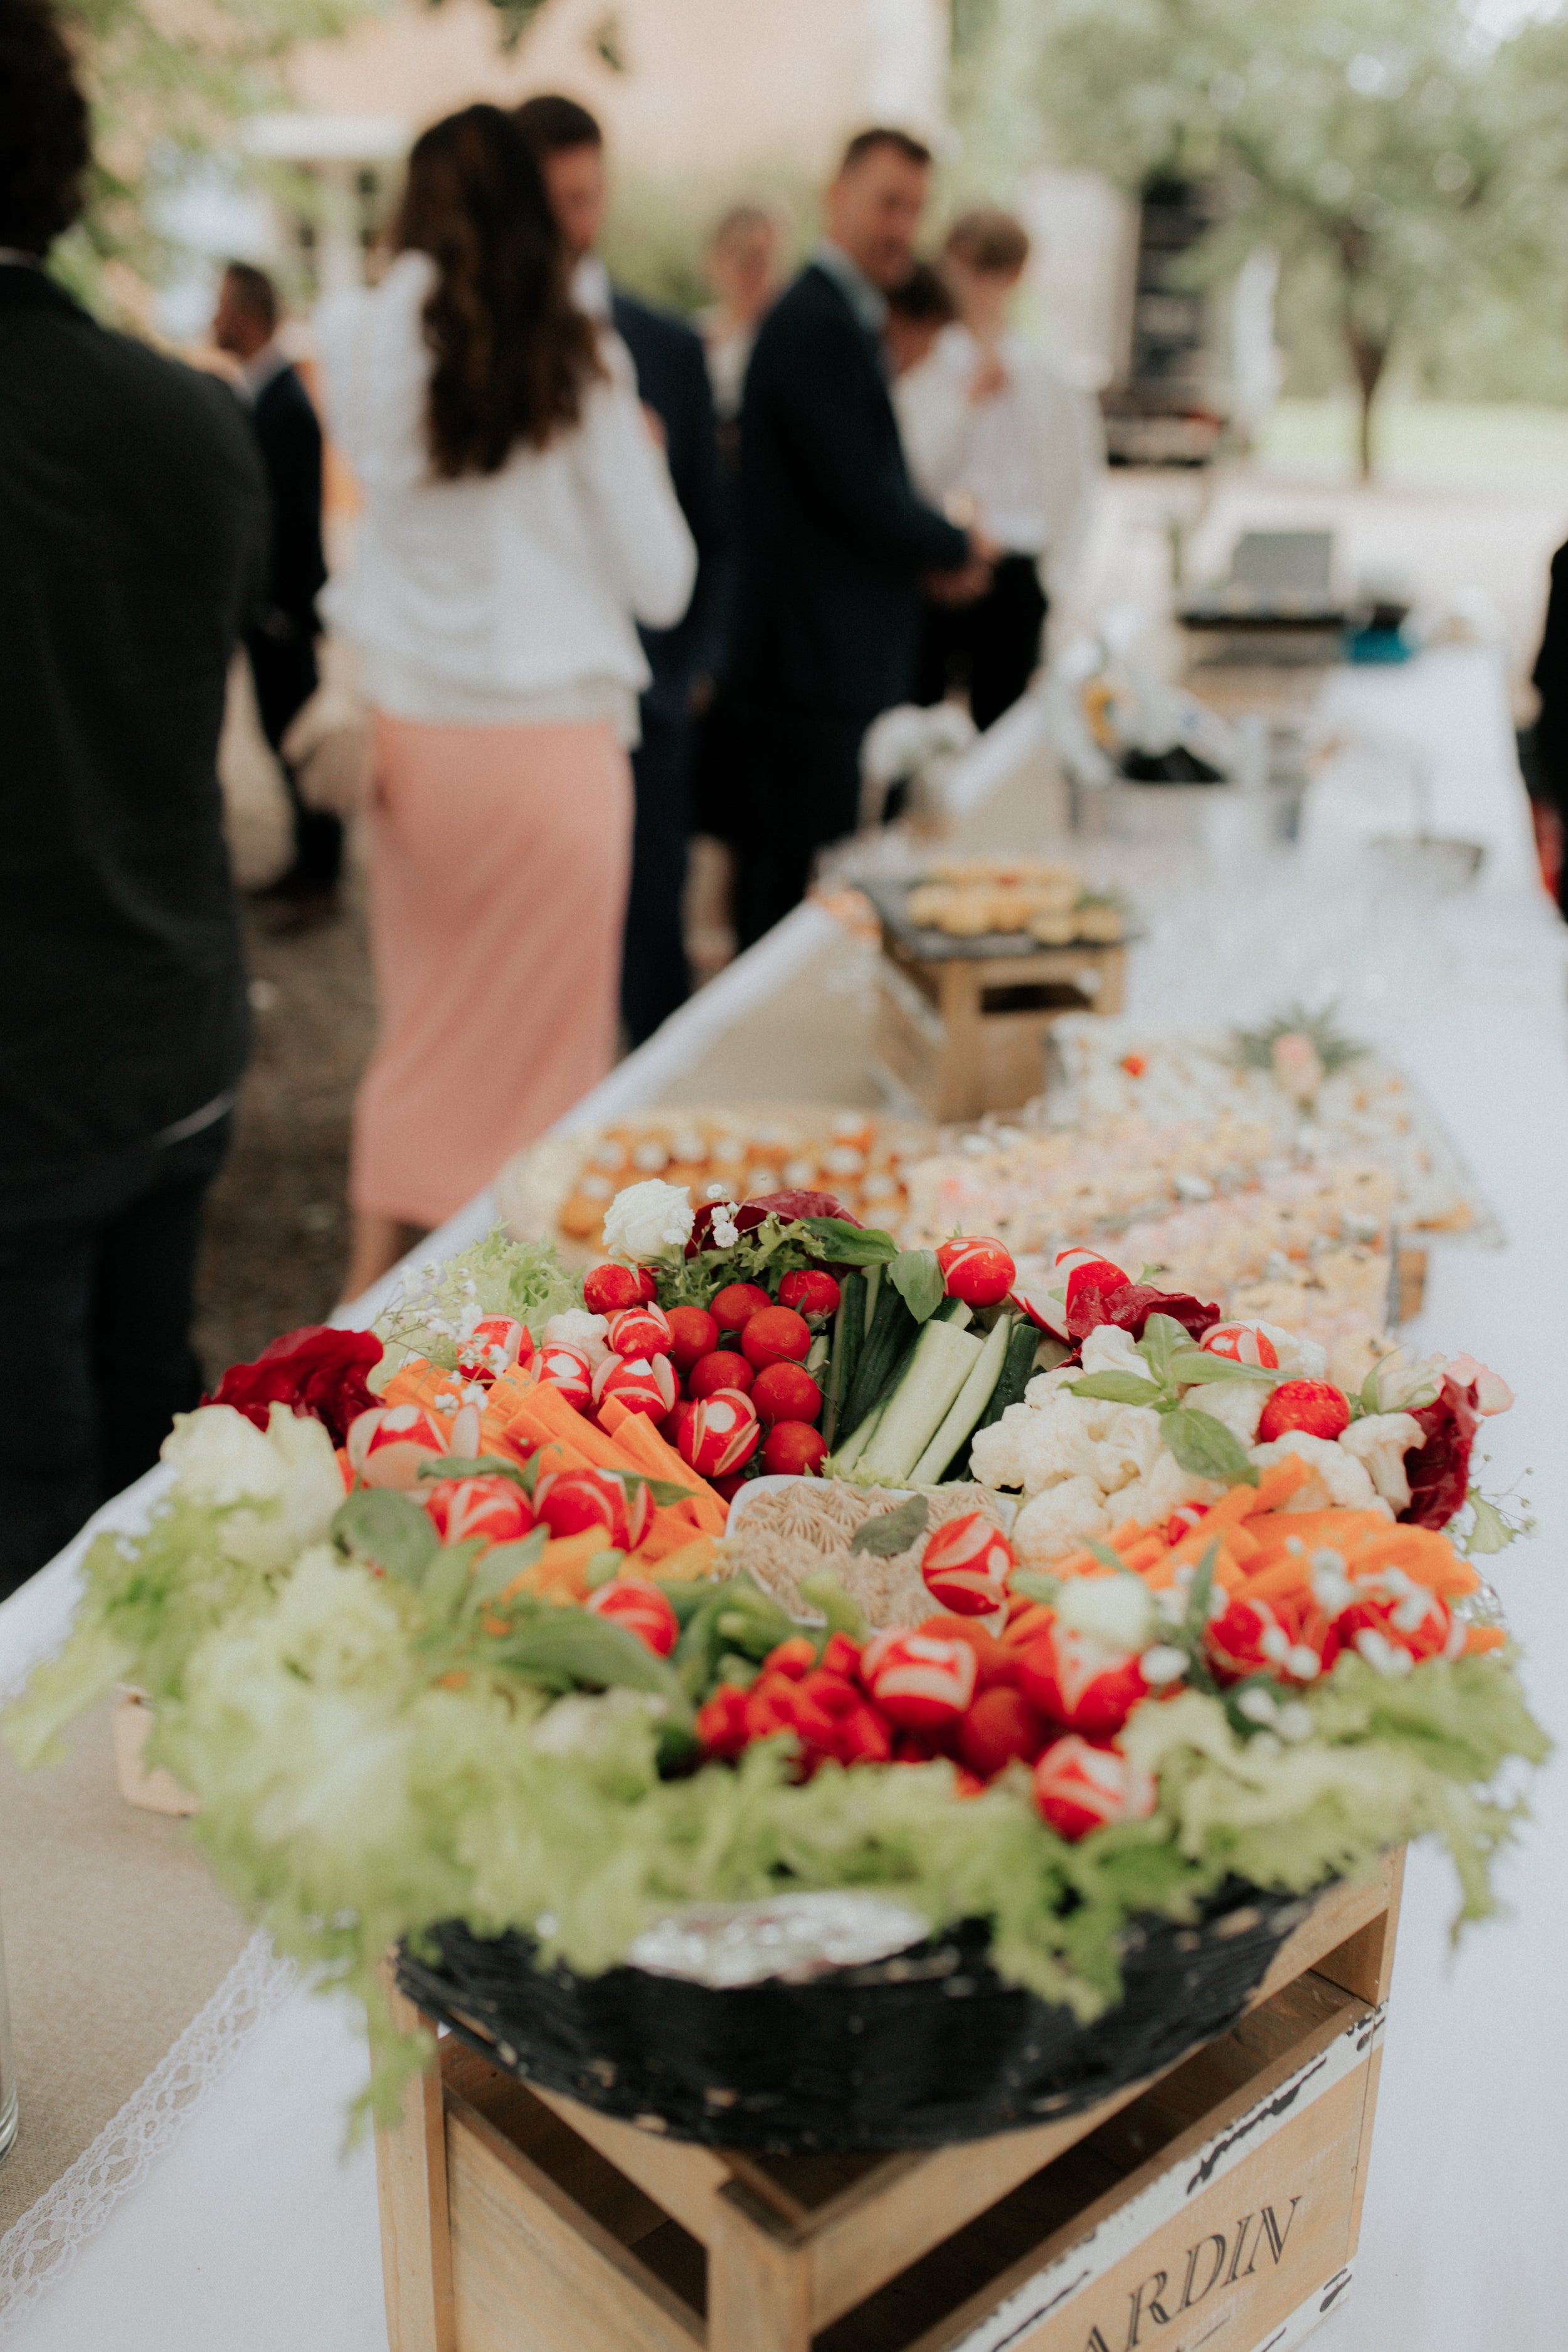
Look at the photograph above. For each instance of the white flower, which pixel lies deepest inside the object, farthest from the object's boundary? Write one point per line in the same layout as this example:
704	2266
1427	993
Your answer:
724	1233
649	1219
577	1328
286	1476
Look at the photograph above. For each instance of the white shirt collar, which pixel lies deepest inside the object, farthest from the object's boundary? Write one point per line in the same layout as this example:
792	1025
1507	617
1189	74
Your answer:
258	371
591	287
868	302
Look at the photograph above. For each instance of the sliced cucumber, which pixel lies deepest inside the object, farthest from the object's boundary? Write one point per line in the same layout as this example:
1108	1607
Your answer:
848	1331
843	1463
966	1407
941	1362
893	1330
1017	1371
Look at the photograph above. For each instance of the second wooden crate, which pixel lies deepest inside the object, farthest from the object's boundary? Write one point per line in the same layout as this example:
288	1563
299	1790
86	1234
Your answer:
1218	2203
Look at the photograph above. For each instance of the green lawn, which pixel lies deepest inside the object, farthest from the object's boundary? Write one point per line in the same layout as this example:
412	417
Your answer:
1418	441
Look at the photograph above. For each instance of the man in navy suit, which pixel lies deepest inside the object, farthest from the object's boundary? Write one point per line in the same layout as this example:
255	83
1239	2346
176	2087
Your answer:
834	542
673	382
281	643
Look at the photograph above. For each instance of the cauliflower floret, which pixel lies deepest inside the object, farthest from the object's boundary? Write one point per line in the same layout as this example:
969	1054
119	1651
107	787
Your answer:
1059	1520
1338	1478
1128	1446
577	1328
1108	1348
1035	1445
1152	1498
1238	1403
1047	1385
1380	1442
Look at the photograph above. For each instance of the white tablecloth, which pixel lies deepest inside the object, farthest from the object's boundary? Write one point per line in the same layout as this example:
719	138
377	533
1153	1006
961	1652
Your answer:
253	2232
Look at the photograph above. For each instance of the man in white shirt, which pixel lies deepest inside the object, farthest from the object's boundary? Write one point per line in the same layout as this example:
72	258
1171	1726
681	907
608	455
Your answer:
995	435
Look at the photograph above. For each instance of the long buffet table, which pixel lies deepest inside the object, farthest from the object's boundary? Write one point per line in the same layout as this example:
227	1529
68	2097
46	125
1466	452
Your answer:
249	2227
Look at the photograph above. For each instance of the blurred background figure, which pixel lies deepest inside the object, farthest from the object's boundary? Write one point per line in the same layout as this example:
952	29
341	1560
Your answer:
281	641
833	538
1543	747
518	518
672	380
132	538
995	436
918	310
744	265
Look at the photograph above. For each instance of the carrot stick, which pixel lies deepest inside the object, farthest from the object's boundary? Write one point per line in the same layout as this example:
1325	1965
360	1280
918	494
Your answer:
1145	1554
547	1414
560	1570
1278	1484
651	1453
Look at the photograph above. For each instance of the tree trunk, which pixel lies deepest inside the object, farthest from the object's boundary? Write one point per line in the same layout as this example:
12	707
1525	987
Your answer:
1369	357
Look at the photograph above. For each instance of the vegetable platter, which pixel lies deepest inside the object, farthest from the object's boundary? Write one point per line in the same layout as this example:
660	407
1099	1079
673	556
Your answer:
446	1636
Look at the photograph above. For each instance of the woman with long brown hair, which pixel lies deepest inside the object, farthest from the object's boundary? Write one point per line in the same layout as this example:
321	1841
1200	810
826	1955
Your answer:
518	522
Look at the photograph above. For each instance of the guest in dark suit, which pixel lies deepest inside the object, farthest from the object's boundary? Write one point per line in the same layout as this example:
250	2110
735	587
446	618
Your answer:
1544	748
281	643
132	543
835	542
673	382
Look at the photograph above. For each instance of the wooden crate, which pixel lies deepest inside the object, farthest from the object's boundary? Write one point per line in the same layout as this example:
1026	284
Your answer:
966	1035
1220	2200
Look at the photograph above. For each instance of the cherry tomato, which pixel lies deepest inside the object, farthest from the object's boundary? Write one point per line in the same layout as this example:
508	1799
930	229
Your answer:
607	1288
734	1306
1315	1406
792	1449
723	1369
1001	1725
692	1333
810	1293
979	1271
785	1392
775	1335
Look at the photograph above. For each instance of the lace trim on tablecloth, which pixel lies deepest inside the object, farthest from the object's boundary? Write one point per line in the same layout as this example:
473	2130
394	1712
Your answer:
40	2248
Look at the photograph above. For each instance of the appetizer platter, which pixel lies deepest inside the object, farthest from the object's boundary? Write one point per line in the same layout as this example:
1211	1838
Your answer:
991	906
560	1189
1059	1626
1316	1092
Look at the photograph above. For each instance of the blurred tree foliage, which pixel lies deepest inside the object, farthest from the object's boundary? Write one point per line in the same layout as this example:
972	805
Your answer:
168	79
1410	174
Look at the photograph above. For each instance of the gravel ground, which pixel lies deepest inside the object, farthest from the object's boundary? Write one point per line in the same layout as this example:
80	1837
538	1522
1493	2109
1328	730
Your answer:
276	1223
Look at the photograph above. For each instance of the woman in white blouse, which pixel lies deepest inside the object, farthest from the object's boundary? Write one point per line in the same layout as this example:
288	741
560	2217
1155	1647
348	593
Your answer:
994	434
519	520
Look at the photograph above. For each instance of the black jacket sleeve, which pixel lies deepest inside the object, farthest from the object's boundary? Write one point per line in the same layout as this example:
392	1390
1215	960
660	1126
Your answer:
840	457
1550	680
672	378
289	437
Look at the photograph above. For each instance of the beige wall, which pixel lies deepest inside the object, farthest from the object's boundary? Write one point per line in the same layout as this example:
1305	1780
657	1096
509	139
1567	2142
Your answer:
710	85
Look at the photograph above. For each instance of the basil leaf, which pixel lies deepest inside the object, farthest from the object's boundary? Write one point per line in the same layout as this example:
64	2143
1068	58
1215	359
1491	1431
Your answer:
483	1465
1115	1388
504	1561
842	1243
1107	1557
891	1532
1196	1623
1162	1338
387	1530
1207	1448
446	1582
918	1279
571	1646
1189	1366
1035	1587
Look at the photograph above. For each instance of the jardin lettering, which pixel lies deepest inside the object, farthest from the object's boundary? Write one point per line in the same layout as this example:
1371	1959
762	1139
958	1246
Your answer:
1156	2299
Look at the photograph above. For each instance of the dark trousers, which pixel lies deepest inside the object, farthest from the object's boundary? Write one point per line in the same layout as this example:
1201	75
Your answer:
802	790
992	646
96	1286
655	981
284	669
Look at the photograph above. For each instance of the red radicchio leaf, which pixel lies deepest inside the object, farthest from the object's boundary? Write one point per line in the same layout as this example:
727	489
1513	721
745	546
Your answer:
317	1371
1439	1471
752	1214
1128	1305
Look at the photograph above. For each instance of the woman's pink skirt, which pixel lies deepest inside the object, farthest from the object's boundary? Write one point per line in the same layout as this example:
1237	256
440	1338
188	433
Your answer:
499	863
